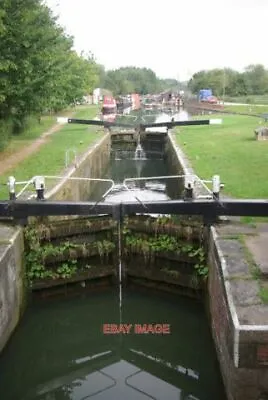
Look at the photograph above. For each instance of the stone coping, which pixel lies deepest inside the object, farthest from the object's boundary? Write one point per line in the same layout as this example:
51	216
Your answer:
8	234
242	288
199	189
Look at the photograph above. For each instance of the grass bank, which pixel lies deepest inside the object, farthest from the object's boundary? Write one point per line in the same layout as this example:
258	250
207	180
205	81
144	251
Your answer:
50	157
231	151
247	109
249	99
33	130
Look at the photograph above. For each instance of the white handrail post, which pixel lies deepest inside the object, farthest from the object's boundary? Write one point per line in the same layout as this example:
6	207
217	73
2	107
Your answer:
12	188
39	184
189	187
216	186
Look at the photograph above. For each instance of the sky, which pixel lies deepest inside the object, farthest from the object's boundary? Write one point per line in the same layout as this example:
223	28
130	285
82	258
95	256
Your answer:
174	38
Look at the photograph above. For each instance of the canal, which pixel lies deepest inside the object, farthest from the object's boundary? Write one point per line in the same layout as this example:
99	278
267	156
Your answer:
62	349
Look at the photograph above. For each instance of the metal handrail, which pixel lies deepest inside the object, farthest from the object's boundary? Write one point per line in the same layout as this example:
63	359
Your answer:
203	182
125	184
86	179
196	179
31	181
67	158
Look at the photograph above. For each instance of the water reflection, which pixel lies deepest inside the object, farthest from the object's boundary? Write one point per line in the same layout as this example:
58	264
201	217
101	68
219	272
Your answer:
60	351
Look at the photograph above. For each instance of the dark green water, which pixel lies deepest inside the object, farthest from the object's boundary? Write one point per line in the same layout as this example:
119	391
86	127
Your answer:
60	351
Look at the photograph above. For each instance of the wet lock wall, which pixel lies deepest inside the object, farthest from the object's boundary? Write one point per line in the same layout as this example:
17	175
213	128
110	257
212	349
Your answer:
64	349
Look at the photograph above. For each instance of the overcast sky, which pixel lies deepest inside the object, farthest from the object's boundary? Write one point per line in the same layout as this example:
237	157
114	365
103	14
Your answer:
174	38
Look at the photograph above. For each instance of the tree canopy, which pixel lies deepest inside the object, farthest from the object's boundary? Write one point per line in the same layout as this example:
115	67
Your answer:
254	80
39	69
136	80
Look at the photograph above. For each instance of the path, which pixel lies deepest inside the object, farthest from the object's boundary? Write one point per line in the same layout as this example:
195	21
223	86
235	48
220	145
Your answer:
226	103
21	154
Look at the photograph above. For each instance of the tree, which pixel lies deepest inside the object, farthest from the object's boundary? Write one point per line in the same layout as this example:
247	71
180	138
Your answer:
253	81
256	79
132	79
38	68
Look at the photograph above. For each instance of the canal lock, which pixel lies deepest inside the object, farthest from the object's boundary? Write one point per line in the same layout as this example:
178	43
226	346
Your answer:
85	255
166	253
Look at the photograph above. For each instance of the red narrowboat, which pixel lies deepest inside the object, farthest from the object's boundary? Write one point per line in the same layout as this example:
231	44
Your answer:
136	102
109	105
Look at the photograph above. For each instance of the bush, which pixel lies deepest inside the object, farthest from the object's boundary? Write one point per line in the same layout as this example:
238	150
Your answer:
5	133
20	123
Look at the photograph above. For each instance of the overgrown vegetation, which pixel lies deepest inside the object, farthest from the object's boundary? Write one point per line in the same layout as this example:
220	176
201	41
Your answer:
48	261
152	246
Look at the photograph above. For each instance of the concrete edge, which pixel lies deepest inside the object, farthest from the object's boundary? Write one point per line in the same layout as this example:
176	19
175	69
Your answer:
226	275
181	156
14	246
186	165
10	241
71	171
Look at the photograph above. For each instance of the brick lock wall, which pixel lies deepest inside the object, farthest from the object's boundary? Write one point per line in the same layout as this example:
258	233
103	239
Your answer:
249	379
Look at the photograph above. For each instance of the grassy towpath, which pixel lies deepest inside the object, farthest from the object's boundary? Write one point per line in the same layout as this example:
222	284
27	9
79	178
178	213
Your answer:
46	154
247	109
231	151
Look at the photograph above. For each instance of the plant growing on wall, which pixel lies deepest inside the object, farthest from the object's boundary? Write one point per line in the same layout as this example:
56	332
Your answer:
38	256
104	248
152	246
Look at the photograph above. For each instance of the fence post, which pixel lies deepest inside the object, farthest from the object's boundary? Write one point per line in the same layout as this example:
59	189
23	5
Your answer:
188	187
39	183
12	188
216	186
